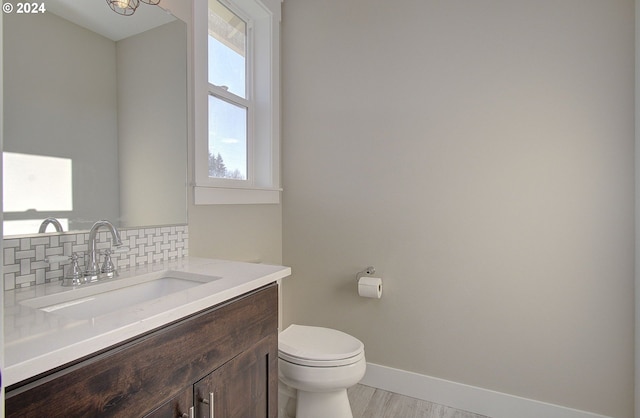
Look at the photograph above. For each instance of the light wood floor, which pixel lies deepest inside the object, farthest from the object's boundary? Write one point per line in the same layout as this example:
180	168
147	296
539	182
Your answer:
368	402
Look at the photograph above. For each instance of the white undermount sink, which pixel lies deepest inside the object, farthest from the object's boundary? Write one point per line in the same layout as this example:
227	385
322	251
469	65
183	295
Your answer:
114	295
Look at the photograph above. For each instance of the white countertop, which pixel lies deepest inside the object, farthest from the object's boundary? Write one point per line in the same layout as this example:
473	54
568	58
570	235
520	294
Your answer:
36	341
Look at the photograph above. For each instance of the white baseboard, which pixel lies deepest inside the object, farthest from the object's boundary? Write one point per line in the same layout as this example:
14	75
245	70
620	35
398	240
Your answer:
468	398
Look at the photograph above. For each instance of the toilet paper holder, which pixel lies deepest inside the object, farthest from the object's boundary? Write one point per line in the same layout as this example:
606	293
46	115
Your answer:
369	271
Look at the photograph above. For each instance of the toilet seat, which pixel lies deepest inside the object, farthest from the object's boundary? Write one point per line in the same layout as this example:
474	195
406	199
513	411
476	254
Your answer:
318	347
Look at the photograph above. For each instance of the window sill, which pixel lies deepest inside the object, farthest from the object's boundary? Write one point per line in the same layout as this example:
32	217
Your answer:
235	196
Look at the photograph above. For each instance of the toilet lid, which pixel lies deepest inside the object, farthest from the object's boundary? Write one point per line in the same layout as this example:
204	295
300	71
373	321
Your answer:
307	345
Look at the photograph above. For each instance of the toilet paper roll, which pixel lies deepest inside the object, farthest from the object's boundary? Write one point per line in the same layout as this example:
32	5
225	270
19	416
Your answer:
370	287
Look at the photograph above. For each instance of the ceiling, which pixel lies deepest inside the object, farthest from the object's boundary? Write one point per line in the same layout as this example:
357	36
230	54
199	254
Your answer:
97	16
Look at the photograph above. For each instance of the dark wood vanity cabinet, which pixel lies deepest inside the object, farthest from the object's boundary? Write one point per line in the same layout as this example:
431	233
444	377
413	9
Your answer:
226	354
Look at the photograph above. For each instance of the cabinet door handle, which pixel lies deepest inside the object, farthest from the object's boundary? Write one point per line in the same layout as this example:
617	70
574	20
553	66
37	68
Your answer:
210	403
192	413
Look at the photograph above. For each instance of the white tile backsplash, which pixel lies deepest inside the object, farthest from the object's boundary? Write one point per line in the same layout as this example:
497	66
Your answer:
25	258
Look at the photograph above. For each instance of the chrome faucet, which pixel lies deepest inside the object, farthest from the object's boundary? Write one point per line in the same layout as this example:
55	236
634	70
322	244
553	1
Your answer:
53	221
93	267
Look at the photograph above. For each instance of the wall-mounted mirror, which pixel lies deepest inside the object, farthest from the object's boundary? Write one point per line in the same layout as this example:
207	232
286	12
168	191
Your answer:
95	117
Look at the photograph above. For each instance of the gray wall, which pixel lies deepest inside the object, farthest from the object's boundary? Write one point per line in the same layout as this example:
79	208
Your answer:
236	232
481	155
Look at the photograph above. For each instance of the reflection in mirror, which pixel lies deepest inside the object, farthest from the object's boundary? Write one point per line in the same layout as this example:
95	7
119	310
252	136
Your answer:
95	122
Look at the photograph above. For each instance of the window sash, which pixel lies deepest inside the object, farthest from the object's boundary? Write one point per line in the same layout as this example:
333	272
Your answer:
250	141
229	9
224	94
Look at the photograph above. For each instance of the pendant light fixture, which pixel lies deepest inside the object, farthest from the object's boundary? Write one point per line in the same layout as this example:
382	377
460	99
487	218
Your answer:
128	7
124	7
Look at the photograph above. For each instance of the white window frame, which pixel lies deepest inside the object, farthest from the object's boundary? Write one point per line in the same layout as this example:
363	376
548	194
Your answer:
263	91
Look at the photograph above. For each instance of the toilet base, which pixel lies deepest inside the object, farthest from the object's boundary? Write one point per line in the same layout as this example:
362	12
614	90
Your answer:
323	404
300	404
286	401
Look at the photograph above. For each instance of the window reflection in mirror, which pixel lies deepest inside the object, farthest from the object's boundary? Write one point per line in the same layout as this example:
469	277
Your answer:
33	184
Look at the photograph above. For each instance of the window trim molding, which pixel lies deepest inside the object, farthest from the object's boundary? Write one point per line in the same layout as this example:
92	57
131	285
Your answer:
264	154
235	195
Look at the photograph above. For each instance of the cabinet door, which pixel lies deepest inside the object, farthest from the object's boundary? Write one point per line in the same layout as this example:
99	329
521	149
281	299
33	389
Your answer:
244	387
176	407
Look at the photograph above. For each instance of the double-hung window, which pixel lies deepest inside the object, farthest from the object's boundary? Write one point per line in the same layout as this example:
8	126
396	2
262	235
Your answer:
236	46
230	105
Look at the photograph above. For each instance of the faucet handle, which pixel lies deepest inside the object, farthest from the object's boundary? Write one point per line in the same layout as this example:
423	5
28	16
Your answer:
73	276
108	267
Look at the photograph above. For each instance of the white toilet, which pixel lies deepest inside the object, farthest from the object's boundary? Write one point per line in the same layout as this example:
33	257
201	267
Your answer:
316	366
